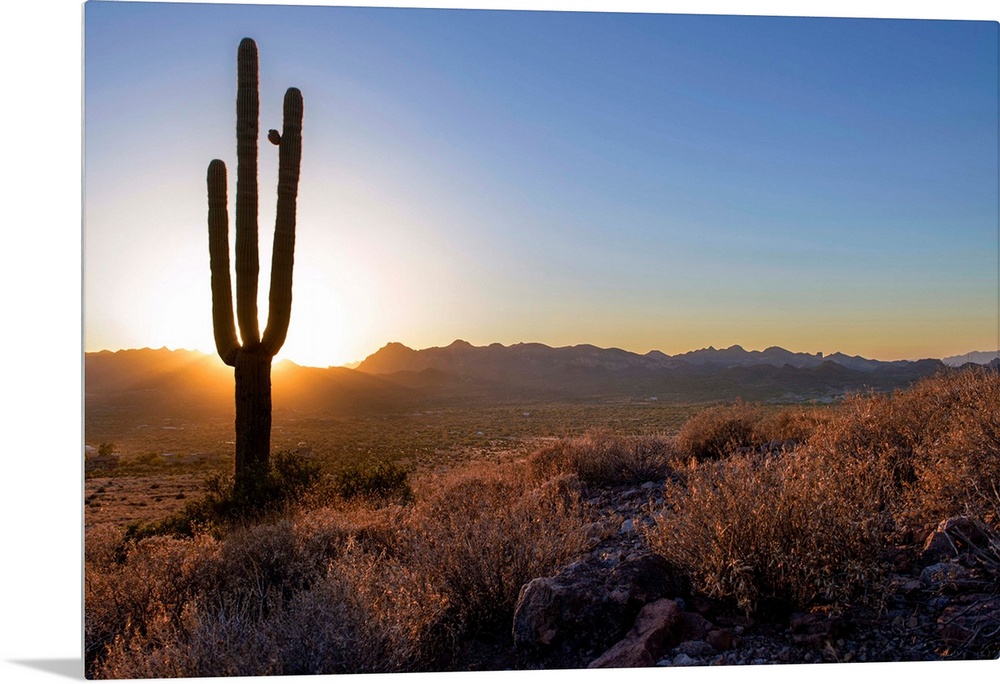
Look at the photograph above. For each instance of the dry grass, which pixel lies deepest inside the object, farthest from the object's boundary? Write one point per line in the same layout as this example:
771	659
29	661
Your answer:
601	458
787	530
353	589
791	425
957	461
486	531
718	431
123	500
811	525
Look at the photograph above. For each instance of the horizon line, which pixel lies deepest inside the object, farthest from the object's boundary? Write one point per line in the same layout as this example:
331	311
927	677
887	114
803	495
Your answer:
352	364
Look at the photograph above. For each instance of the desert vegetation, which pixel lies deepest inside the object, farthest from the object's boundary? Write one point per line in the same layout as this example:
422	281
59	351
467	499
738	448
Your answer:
351	585
381	568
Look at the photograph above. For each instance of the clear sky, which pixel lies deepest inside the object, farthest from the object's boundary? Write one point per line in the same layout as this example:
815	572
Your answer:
637	180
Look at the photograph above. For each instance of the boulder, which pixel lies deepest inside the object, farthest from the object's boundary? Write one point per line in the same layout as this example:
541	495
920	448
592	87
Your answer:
696	648
656	630
588	606
951	538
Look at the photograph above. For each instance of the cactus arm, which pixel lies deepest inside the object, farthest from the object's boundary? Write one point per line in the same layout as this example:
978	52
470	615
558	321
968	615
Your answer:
289	163
218	247
247	262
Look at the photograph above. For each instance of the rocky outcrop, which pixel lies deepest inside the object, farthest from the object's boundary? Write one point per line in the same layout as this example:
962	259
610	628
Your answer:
657	628
588	605
622	607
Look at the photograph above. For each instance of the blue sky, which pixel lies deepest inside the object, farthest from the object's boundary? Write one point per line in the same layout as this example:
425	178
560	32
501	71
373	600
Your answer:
640	181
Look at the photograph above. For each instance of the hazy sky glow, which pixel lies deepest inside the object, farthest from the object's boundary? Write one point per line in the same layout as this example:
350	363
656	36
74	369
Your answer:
639	181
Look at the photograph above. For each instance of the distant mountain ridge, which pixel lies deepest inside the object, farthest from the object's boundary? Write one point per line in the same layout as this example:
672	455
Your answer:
146	384
461	356
588	371
978	357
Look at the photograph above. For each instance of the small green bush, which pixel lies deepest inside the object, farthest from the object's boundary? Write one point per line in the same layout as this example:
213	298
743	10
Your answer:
150	458
290	478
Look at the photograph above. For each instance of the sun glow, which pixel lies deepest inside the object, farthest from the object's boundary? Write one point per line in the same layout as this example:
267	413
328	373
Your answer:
332	312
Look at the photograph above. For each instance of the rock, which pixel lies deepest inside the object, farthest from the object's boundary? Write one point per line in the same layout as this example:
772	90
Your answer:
813	629
951	578
696	649
609	558
684	660
963	624
950	538
720	639
696	626
588	605
900	558
656	630
595	532
627	527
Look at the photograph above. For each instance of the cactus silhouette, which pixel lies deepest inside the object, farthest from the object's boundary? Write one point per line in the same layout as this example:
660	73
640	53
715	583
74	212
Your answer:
252	353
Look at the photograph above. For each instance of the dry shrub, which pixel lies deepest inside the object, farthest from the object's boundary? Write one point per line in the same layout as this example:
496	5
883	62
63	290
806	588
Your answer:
940	440
137	594
550	461
875	427
601	458
794	424
223	642
358	589
152	604
788	530
371	612
485	532
810	525
957	465
720	430
366	613
105	546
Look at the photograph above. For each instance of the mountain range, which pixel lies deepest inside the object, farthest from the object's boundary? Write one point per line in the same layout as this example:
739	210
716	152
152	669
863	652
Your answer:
460	356
188	384
589	372
978	357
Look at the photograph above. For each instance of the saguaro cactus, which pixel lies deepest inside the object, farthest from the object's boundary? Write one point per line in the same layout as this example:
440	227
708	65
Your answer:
251	354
